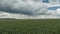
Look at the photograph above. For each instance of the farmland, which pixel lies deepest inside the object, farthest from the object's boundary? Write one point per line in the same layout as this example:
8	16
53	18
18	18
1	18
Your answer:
30	26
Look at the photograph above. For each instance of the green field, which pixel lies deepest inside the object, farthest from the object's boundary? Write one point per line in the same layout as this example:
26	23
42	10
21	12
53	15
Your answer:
32	26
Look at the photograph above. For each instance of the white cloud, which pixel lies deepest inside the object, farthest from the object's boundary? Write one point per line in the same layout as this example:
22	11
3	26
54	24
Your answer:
27	6
22	16
58	11
38	9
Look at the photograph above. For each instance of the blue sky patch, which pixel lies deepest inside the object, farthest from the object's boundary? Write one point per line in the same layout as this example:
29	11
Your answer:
53	8
45	1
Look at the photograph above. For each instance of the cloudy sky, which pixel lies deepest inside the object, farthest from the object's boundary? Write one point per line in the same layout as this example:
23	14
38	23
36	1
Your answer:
24	9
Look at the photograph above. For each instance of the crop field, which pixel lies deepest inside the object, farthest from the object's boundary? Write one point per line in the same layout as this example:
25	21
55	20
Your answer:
30	26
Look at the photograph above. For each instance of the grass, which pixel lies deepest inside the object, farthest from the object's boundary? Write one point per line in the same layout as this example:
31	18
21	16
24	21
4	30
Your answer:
32	26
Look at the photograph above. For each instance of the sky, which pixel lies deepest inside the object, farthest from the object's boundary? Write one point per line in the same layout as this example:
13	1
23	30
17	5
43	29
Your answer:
45	1
28	8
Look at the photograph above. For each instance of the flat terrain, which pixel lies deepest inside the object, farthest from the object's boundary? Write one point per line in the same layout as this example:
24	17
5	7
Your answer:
30	26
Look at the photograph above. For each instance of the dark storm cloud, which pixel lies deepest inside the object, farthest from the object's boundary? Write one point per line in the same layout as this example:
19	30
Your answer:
27	7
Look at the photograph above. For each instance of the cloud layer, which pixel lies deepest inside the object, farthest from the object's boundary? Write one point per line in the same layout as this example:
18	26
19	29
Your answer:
26	9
